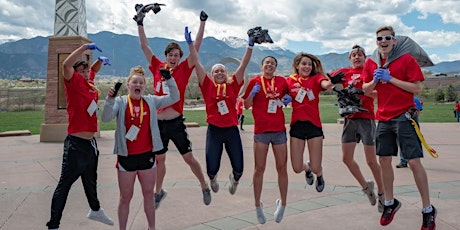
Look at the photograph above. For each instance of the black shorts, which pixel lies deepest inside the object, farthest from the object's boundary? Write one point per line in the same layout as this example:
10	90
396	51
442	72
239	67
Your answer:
136	162
305	130
176	131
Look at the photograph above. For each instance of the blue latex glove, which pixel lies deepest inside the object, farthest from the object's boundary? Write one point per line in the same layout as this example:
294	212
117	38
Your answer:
383	74
287	99
254	90
104	60
93	46
188	36
376	78
250	41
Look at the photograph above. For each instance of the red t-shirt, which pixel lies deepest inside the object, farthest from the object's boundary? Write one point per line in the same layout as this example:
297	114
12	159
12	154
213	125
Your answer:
214	94
239	107
392	100
457	106
79	95
308	109
143	141
274	90
353	76
181	74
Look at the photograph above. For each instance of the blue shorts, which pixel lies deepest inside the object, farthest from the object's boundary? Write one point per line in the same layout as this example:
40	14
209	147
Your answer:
398	131
305	130
276	138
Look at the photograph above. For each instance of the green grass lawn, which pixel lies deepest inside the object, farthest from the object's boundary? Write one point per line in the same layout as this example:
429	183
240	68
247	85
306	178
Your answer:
32	120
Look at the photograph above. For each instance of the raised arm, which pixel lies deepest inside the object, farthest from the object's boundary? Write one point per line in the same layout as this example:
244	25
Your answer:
97	64
244	62
148	53
199	35
193	58
68	63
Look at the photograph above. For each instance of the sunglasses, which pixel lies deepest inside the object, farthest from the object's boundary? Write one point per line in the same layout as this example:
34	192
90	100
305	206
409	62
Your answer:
387	38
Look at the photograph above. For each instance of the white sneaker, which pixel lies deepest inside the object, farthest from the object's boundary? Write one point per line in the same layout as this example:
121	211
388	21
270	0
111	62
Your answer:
260	214
99	216
214	185
278	215
369	191
233	184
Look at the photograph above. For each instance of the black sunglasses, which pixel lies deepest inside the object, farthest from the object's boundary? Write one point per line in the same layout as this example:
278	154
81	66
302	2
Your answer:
387	38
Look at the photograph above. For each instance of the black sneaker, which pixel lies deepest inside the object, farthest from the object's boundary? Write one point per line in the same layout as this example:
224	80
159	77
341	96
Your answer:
429	220
401	165
319	183
159	198
389	212
309	177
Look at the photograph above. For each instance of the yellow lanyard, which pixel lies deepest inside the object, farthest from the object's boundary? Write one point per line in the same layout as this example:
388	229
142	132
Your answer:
93	87
298	79
131	110
224	90
272	82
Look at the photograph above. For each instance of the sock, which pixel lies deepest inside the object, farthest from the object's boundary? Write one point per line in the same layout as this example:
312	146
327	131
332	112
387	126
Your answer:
389	202
427	209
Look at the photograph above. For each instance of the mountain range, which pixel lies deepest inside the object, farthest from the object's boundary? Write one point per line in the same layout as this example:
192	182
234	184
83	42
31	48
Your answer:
28	57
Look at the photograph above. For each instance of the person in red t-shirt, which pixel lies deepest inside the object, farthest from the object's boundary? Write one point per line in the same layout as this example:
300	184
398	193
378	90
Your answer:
267	94
397	78
220	94
170	119
80	148
304	86
136	138
457	110
360	126
239	112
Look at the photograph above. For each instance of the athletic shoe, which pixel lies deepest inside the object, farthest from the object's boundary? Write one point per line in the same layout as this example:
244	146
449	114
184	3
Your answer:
215	185
99	216
319	183
389	212
309	175
278	215
160	197
369	191
260	214
381	203
401	165
233	184
429	220
206	196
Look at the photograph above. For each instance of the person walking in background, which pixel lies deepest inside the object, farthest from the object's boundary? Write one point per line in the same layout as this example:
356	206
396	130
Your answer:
305	84
80	157
136	139
397	77
267	94
418	107
220	93
171	119
457	111
360	126
239	111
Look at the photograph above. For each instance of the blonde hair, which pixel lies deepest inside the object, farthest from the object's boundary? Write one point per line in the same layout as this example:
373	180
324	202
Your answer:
228	79
382	28
137	70
317	67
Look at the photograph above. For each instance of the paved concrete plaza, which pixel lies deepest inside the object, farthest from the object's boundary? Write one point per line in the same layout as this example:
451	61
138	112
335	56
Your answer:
29	171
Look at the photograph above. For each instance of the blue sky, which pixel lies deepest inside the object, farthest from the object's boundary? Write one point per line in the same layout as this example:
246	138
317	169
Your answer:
316	27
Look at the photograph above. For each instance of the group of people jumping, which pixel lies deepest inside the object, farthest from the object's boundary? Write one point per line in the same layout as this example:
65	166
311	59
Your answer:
146	124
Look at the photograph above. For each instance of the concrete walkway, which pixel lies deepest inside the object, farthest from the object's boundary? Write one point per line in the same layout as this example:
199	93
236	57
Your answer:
29	171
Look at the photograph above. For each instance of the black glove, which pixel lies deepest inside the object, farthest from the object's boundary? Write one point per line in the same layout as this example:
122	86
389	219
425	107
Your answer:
165	73
336	78
203	16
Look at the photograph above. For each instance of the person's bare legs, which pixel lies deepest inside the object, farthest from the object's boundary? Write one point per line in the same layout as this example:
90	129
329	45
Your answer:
348	152
371	158
196	169
280	152
260	160
421	180
147	180
126	187
161	172
315	150
387	176
297	148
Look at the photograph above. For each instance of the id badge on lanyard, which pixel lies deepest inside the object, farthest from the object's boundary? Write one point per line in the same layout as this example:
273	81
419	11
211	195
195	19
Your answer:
272	106
222	107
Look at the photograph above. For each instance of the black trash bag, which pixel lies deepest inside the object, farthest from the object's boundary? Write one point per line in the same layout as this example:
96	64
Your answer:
349	101
258	35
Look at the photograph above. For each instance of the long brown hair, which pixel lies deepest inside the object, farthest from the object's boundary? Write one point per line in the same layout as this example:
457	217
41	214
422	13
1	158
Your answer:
317	67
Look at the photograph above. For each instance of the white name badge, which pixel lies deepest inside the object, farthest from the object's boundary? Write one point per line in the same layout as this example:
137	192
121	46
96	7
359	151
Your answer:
222	107
300	95
310	95
272	106
165	88
132	133
92	108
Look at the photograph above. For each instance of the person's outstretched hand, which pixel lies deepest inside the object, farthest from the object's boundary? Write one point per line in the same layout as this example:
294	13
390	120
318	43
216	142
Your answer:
188	36
254	90
337	78
203	16
93	46
287	99
104	60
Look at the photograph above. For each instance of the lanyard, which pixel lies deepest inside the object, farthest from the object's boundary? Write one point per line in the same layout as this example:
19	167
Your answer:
93	87
298	79
272	82
131	110
222	86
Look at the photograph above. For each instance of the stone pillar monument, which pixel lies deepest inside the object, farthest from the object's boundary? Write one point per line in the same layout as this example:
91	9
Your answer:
69	34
